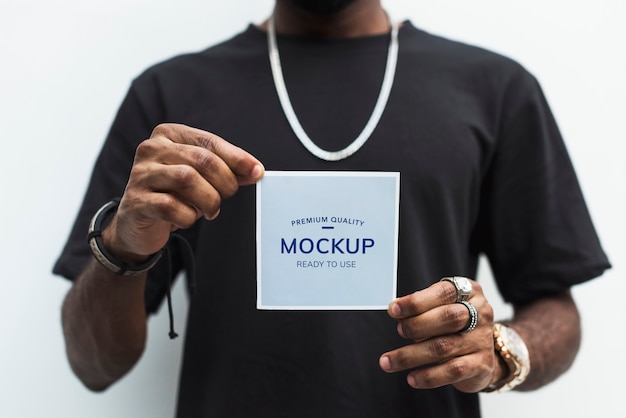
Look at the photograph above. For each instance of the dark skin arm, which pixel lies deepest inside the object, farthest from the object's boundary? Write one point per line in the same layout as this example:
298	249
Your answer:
104	325
179	175
550	328
430	318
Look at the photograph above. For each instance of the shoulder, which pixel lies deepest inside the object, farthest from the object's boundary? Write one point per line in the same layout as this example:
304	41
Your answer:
444	49
199	65
453	59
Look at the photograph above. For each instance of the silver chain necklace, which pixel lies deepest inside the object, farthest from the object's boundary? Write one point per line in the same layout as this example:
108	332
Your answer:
381	102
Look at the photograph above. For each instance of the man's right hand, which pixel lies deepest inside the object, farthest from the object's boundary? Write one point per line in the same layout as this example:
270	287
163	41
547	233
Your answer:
179	175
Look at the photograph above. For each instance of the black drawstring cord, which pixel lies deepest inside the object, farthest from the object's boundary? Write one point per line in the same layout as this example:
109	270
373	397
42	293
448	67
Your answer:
168	293
94	238
189	264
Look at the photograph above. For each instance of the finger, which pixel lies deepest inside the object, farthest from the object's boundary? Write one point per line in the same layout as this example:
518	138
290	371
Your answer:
194	166
441	348
247	169
437	294
166	208
153	217
422	301
188	186
469	373
423	353
441	320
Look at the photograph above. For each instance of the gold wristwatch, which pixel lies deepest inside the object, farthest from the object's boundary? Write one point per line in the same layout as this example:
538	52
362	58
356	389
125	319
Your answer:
511	348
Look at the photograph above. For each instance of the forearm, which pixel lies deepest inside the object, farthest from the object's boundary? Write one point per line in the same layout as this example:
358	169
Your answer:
550	327
104	324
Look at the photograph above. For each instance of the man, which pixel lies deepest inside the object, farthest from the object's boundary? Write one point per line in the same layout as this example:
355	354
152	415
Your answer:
483	169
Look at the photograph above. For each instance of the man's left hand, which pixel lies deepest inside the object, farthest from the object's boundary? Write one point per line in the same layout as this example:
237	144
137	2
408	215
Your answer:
441	353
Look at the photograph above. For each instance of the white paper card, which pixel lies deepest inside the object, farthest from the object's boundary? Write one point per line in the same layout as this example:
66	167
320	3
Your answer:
327	240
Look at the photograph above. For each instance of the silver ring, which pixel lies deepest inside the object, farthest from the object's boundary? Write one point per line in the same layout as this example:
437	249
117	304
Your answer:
473	320
463	287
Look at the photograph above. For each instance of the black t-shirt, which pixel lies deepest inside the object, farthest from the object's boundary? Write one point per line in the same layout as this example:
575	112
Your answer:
483	170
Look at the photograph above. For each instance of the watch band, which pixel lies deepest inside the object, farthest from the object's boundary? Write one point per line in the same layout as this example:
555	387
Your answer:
103	256
511	348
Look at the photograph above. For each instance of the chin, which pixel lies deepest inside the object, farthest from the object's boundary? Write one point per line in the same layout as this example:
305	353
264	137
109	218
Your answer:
322	7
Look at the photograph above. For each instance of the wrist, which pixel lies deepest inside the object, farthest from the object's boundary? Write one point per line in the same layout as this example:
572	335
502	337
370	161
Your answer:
501	370
110	241
127	263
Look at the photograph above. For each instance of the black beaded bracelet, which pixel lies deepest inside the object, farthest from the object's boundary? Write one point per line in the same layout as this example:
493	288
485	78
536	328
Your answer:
106	258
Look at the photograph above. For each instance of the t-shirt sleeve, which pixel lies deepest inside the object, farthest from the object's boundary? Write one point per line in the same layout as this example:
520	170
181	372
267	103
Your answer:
135	119
535	226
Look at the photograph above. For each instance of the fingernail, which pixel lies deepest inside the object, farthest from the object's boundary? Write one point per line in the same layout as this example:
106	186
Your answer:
411	381
212	216
400	331
257	171
395	309
385	363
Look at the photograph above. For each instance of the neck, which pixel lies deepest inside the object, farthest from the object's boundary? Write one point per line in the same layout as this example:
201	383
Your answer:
359	18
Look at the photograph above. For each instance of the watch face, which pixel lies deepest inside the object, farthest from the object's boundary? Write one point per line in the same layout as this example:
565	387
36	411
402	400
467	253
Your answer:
514	343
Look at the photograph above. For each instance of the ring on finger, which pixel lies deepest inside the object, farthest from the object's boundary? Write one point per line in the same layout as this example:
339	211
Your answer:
463	287
473	319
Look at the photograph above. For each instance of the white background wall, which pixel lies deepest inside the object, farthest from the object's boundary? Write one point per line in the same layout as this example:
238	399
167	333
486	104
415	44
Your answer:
64	68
